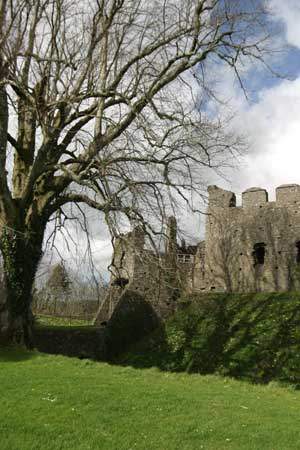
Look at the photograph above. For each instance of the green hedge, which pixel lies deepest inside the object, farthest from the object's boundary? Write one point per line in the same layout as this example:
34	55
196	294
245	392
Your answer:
251	336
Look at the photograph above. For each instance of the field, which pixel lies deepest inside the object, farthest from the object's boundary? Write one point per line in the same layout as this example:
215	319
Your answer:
55	402
44	320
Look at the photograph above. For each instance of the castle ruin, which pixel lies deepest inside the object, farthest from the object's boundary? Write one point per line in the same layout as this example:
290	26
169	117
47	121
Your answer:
249	248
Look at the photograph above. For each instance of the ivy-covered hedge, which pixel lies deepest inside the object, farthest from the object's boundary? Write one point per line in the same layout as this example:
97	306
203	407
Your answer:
251	336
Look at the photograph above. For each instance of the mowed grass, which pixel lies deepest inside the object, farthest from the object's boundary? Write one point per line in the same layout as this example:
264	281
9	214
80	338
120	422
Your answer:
54	402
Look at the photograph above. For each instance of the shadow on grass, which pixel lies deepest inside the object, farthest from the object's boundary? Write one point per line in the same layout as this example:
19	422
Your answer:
16	354
254	337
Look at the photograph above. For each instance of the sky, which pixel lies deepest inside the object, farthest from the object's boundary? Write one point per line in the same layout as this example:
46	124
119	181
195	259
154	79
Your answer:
269	117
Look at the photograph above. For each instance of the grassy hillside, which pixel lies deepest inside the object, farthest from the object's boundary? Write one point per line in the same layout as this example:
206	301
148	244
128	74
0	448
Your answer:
250	336
54	402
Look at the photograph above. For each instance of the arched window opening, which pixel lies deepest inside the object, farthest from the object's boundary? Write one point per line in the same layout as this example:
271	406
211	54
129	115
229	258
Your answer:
298	252
259	251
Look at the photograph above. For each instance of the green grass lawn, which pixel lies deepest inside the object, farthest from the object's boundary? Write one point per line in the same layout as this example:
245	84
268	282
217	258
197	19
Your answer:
54	402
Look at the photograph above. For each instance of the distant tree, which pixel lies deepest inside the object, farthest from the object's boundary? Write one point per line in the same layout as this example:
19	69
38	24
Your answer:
59	282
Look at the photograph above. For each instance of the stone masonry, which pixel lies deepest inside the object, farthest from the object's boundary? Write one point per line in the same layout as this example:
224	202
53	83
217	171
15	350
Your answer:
249	248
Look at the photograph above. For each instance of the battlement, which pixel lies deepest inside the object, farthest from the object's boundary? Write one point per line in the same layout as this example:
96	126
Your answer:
286	194
254	196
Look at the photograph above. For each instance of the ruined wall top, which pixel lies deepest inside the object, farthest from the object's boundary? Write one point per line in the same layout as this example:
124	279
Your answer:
221	197
286	194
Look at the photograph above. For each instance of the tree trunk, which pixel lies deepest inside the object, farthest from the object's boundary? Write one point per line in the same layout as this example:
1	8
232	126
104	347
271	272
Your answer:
20	257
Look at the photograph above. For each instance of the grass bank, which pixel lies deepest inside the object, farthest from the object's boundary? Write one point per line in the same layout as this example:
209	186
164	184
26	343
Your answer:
250	336
53	402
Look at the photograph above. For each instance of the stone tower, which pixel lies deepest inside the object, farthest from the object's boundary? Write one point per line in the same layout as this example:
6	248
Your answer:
253	247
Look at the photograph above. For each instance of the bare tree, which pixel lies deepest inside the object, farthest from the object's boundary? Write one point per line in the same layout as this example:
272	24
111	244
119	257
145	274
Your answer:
93	111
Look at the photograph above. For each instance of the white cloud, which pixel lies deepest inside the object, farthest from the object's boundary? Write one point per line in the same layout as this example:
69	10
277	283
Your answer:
288	12
273	126
273	123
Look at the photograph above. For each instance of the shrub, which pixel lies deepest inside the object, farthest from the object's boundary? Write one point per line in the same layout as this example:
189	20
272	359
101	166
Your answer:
251	336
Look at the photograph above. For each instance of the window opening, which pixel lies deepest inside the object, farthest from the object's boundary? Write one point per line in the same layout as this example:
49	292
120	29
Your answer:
121	282
232	202
185	258
259	251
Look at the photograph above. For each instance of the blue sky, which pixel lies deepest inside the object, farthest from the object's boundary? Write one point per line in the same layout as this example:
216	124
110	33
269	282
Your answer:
287	67
271	117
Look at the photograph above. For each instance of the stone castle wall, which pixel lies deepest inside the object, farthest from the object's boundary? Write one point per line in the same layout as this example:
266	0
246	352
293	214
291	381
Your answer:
248	248
254	247
136	269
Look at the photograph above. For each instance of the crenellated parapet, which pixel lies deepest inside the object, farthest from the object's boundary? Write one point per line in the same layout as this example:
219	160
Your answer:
286	194
254	196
